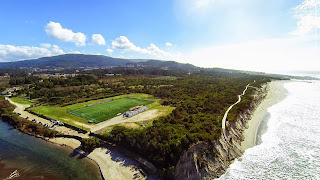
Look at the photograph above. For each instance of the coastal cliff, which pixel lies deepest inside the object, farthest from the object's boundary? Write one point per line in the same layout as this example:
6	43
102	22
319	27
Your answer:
208	161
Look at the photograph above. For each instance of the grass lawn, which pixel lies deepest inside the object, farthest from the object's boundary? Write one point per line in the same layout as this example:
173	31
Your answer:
21	100
62	113
102	112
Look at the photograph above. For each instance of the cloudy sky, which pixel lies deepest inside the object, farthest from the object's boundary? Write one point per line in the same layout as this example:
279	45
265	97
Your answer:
260	35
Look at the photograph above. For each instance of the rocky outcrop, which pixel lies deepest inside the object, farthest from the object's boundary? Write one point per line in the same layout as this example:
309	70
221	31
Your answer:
208	161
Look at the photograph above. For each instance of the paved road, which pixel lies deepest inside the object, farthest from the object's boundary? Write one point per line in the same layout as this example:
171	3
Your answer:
226	113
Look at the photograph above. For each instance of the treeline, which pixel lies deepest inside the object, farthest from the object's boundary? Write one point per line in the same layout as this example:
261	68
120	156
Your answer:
23	79
153	71
64	90
66	82
86	87
29	127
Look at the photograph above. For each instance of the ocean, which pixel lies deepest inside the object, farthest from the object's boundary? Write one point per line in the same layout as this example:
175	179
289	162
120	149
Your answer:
34	158
288	139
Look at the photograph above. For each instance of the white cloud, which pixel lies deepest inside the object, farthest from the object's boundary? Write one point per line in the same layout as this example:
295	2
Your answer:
168	44
45	45
98	39
152	51
109	50
123	43
308	17
56	31
306	24
15	53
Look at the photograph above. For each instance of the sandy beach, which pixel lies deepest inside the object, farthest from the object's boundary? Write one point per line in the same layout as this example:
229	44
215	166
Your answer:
112	164
72	143
275	93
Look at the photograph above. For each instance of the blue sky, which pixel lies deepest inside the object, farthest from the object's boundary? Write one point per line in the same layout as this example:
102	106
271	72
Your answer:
239	34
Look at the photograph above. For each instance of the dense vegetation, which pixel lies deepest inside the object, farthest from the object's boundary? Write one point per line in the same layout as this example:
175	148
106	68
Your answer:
89	144
59	90
29	127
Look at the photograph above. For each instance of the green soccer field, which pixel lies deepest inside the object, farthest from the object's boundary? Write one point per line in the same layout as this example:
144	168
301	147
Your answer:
102	112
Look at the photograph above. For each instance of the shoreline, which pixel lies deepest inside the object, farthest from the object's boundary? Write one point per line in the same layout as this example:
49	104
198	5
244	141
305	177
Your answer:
34	152
111	163
275	93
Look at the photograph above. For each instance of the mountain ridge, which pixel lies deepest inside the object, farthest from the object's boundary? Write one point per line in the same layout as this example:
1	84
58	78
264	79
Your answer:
69	61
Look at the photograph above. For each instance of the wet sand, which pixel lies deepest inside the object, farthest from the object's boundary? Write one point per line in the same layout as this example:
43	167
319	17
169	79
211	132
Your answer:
275	93
112	164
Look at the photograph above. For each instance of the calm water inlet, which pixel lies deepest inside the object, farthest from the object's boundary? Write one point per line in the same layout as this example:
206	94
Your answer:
37	159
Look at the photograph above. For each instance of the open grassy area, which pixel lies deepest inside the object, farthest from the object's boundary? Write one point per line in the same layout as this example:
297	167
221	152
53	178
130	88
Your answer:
21	100
102	112
62	113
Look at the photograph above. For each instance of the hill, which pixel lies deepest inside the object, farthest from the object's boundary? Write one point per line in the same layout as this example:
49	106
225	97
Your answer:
68	61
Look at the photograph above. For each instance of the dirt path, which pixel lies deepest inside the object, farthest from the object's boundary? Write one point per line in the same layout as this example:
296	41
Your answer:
20	108
226	114
144	116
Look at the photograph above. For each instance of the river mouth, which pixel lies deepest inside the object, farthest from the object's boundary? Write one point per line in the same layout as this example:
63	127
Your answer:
34	158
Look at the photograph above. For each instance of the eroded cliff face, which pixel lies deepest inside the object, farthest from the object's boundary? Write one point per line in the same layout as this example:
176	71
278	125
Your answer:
204	161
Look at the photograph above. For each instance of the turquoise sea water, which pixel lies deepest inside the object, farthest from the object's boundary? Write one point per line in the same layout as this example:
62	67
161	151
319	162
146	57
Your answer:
37	159
289	140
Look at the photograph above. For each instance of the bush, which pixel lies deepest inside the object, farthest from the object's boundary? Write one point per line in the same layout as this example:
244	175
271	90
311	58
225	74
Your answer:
89	144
